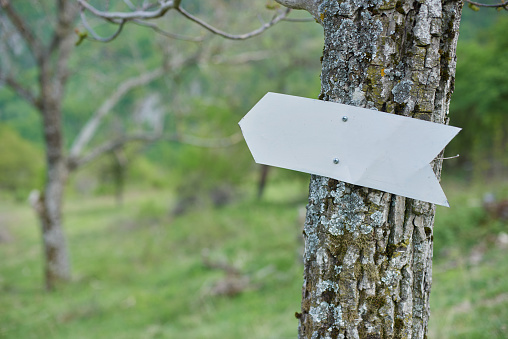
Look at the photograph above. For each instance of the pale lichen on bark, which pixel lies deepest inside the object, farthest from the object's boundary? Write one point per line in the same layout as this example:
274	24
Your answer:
368	254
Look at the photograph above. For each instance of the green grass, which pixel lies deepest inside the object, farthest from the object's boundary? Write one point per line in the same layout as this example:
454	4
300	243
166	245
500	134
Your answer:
469	296
138	273
471	301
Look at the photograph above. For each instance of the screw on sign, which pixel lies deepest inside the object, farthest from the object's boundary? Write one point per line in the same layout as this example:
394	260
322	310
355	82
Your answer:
304	134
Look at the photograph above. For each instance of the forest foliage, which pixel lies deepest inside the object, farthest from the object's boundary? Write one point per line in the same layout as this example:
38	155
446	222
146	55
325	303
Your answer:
20	165
479	104
207	88
208	96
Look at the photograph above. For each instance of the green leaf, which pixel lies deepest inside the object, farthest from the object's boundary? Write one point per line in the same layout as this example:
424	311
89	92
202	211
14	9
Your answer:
473	7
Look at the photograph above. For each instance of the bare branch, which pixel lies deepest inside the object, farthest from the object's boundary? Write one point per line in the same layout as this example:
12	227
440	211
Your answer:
88	131
62	40
20	90
130	4
90	128
109	146
140	16
96	36
498	5
23	29
122	22
67	12
223	34
164	6
166	33
112	145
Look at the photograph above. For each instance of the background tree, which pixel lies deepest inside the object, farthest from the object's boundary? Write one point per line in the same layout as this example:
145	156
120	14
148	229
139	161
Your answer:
51	55
50	51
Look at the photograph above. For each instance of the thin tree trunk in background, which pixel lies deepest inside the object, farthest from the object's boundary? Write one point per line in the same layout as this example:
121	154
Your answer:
57	262
368	254
53	72
119	172
263	175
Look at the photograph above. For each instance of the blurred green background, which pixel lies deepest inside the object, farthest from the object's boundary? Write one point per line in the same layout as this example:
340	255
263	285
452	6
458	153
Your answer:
175	243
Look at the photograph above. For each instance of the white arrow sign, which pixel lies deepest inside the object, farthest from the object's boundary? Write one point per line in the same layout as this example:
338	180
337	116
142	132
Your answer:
383	151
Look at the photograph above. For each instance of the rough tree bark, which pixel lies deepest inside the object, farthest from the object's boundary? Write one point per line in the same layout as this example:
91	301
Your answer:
368	254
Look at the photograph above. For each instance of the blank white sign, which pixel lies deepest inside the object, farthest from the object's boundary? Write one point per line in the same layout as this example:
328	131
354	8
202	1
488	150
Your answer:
360	146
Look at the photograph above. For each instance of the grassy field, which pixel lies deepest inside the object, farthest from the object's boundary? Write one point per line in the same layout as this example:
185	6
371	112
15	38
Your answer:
139	273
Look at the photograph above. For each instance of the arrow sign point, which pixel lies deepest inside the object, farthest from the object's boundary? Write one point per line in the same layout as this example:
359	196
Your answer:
360	146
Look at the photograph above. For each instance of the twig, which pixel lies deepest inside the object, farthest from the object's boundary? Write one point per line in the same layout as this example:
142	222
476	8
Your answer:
223	34
96	36
448	158
88	131
140	16
130	4
109	146
498	5
112	16
112	145
166	33
20	90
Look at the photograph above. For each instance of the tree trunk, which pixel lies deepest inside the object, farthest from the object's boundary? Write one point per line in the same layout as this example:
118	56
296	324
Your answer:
48	205
53	74
119	171
57	266
263	175
368	254
57	263
52	64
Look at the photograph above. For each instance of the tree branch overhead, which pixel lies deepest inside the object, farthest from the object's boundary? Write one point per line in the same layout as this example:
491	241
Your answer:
501	5
141	17
23	29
